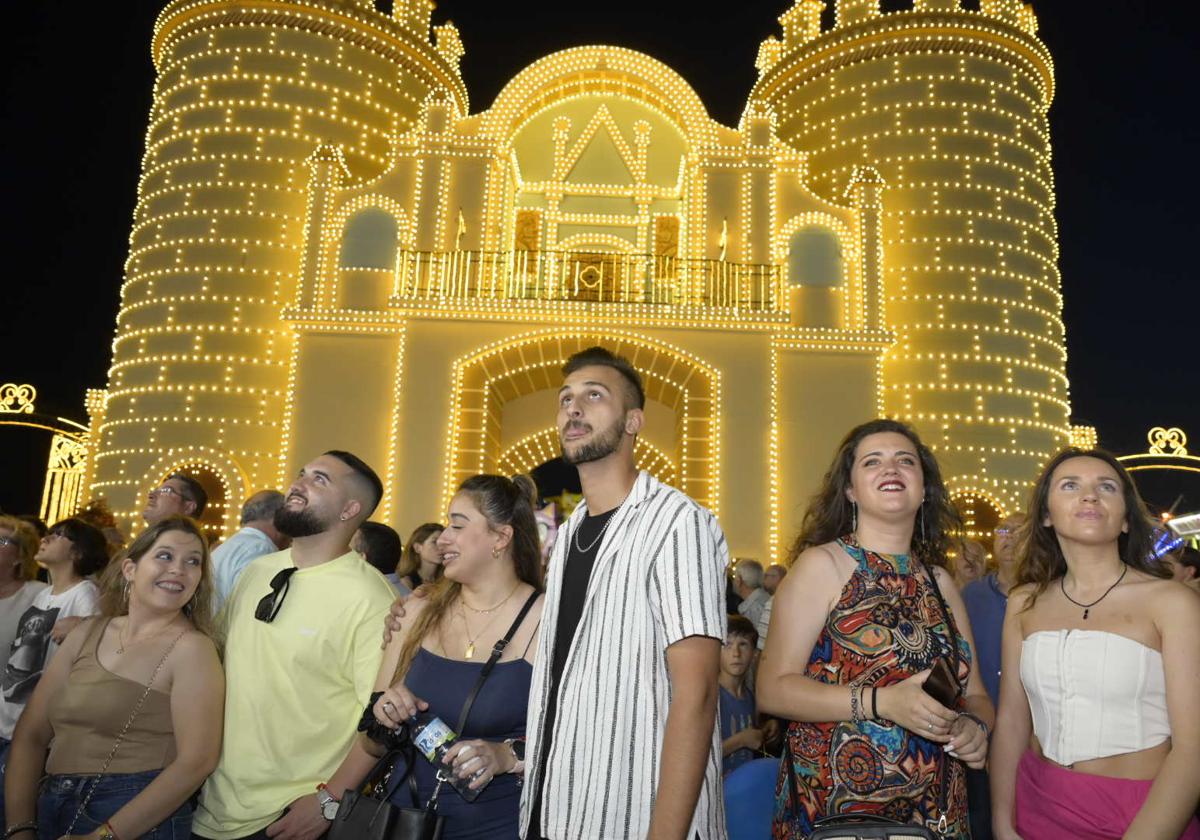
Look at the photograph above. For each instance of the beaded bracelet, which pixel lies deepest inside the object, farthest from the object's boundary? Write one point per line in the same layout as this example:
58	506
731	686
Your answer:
856	711
14	830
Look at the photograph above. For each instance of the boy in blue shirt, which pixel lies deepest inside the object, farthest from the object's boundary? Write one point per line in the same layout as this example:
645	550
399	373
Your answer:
741	736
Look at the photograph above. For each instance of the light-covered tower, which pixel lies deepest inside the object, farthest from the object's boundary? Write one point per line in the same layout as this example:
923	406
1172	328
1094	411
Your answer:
245	93
951	107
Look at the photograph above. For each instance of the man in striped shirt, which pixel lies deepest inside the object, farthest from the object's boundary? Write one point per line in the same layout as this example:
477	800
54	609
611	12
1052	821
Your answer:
622	730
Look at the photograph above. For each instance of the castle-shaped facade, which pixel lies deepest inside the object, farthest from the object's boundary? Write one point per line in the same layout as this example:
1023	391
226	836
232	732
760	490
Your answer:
330	250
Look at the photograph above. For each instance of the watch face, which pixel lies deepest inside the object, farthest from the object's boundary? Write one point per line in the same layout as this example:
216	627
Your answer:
329	809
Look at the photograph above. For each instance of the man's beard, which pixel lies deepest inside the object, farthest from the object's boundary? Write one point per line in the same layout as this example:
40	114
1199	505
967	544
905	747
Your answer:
298	523
601	446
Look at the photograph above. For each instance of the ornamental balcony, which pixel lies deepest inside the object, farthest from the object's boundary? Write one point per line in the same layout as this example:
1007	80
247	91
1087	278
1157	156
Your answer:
583	276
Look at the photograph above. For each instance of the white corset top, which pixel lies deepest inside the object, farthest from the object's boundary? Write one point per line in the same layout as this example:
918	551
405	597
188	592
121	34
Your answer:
1093	694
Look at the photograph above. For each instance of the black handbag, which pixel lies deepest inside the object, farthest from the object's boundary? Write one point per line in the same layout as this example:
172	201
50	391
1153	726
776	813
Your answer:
862	827
370	816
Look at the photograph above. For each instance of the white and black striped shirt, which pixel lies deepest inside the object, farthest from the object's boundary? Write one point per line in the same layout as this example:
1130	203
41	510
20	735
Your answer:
659	577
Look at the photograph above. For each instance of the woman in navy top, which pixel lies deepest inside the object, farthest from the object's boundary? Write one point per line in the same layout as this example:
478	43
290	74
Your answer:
492	565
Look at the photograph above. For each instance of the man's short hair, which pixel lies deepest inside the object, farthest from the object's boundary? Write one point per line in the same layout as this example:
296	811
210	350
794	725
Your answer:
192	491
261	505
750	572
599	356
740	626
360	468
381	546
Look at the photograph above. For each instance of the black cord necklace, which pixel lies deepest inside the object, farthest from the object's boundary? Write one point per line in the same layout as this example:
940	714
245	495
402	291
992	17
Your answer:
1087	607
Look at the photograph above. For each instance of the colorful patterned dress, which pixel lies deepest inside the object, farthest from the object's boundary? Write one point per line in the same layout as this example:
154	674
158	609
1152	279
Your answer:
887	626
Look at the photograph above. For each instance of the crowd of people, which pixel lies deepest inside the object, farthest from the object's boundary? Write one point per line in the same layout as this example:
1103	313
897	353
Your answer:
887	671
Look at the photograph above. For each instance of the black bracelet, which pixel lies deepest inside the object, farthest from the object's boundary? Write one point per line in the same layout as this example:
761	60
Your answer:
14	830
874	705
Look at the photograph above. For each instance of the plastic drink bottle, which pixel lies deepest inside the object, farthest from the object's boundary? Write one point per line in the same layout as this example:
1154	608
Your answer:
433	738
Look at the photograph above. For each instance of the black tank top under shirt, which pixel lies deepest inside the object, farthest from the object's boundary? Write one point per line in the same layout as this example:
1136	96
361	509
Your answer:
576	574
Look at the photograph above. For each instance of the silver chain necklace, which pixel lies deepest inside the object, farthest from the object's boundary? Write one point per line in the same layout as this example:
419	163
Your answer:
599	536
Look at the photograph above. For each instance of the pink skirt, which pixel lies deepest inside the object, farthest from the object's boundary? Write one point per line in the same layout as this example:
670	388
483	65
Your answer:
1053	803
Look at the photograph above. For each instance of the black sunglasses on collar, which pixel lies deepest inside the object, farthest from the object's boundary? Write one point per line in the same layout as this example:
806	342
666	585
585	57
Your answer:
269	606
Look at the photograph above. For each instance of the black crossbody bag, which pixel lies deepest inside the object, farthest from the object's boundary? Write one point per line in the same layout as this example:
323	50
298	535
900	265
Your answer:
874	827
369	816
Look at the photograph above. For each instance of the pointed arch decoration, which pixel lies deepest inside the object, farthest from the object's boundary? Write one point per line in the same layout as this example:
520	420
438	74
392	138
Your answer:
490	376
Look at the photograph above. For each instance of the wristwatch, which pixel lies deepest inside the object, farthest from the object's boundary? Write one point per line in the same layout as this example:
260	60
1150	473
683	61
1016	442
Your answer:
328	803
517	745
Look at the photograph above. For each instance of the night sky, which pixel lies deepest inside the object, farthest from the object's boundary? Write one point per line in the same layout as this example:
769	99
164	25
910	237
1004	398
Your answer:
77	85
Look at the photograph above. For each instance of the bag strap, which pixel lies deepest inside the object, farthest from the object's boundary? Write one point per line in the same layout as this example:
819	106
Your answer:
956	657
497	651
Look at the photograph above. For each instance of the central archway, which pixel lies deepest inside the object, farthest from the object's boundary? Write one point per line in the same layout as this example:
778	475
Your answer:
492	376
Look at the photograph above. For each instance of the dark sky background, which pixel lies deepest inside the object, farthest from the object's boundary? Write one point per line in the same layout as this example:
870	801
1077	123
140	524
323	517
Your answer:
77	82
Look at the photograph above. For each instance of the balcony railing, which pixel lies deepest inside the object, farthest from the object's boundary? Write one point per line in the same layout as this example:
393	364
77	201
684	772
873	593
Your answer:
595	277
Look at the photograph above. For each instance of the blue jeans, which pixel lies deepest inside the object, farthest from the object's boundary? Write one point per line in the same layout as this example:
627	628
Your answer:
61	797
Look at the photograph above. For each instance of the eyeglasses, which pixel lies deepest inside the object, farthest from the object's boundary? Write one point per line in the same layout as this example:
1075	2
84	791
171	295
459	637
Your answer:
269	606
168	490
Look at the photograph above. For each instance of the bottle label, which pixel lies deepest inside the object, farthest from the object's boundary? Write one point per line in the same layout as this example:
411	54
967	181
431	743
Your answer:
433	737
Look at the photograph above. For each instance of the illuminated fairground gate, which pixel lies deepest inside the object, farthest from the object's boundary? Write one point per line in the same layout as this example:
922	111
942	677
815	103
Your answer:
66	469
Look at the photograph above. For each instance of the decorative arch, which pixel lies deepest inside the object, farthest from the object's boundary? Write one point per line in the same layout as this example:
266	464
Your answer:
598	69
536	449
369	240
981	512
332	238
488	377
221	514
853	294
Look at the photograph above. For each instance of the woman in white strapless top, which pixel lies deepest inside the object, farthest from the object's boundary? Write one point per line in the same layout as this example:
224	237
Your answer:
1098	730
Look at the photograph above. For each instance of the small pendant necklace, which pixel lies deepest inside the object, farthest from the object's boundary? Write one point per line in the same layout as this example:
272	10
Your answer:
469	653
1087	607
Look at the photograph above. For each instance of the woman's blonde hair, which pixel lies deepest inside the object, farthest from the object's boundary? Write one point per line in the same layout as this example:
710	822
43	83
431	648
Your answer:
114	600
27	545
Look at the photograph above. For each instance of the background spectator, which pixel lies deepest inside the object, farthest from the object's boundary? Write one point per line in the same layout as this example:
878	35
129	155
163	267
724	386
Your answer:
422	561
971	563
178	494
747	582
1185	566
772	576
380	546
70	552
257	536
741	737
18	545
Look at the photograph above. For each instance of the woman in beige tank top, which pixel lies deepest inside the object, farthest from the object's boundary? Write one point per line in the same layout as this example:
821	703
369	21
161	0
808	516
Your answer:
126	721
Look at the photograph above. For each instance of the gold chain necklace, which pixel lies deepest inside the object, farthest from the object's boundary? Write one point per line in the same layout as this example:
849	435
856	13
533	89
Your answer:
469	653
463	601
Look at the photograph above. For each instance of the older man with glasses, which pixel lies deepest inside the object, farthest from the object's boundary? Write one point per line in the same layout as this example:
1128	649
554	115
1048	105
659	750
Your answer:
987	599
301	654
178	494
